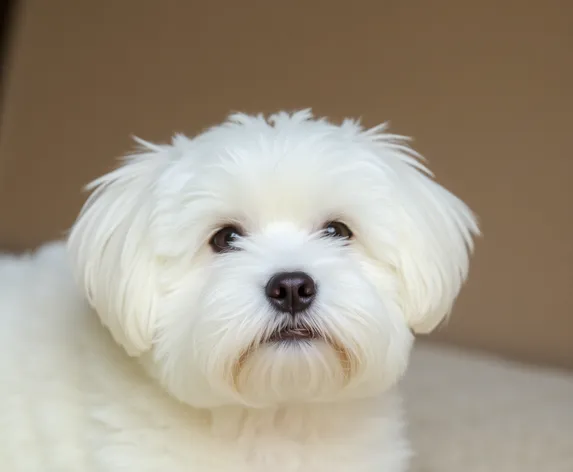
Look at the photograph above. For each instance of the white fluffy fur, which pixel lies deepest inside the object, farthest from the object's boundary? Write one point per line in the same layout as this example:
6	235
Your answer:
185	382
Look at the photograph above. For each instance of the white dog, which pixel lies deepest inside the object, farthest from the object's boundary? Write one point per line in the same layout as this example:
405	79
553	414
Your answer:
250	298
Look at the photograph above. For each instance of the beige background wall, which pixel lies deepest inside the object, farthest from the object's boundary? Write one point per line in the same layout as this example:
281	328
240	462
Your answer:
484	87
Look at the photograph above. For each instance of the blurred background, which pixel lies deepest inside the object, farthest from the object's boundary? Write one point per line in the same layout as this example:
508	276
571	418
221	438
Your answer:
485	88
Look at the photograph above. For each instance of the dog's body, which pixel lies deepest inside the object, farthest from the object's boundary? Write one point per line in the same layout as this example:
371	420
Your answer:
71	400
198	367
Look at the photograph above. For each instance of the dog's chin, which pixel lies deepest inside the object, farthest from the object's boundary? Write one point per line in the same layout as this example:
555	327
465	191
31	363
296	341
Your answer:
294	365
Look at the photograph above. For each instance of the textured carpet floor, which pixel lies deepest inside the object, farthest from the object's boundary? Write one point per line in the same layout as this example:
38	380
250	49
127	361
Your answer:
471	413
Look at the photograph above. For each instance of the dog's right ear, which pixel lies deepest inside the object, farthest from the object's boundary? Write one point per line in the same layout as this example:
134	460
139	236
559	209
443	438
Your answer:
110	248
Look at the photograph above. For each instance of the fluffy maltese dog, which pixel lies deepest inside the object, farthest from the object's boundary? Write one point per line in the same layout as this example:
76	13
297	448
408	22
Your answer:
247	302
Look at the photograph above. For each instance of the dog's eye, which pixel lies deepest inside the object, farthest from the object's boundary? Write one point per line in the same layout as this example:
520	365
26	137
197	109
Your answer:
224	239
336	229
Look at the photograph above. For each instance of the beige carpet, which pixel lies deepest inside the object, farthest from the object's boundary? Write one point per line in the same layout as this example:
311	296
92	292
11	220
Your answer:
471	413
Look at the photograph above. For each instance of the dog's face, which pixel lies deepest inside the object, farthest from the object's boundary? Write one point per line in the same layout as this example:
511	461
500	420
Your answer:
267	262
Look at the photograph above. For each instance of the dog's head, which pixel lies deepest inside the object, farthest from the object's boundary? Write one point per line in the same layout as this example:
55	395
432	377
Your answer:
272	261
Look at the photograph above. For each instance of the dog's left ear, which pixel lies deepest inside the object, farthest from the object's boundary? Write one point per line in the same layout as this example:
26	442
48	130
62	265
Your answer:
437	240
435	232
110	248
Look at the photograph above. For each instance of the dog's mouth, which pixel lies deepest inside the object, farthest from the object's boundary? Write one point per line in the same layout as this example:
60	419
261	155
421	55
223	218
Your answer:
293	334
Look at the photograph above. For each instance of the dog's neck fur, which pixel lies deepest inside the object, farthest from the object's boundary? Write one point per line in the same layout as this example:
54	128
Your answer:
303	421
350	430
320	435
293	422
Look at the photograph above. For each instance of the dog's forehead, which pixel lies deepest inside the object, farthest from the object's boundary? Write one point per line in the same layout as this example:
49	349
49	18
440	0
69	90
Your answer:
304	183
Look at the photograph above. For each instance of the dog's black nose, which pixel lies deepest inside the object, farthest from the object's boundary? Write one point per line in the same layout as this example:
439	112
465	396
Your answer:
291	292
